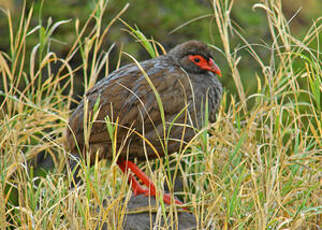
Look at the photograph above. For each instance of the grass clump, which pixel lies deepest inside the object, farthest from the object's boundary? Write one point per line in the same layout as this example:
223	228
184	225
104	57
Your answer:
258	167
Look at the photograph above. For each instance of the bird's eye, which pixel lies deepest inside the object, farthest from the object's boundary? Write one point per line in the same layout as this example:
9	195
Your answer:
197	59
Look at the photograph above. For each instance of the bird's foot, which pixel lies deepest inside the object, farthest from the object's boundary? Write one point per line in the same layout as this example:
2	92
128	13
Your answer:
137	187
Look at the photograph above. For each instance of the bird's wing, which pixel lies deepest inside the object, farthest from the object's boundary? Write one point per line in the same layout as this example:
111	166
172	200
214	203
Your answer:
128	96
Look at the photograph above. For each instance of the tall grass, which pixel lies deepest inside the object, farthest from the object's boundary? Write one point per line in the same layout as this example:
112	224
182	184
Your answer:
258	167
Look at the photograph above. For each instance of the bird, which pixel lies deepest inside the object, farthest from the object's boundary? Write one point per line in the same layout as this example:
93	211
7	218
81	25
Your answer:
155	106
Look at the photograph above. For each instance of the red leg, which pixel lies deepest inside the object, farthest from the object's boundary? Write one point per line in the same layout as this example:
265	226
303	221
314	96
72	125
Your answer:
137	188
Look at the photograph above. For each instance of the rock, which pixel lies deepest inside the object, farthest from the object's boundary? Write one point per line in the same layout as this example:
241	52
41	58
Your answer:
142	214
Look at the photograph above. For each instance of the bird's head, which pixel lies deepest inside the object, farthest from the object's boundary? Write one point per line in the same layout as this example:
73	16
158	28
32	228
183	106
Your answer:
195	57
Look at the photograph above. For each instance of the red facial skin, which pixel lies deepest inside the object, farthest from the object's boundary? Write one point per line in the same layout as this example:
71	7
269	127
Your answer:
205	64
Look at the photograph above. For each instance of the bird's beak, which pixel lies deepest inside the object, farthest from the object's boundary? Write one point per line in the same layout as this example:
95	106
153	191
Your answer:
213	67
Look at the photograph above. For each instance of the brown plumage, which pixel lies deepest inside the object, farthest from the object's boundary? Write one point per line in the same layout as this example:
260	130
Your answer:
183	78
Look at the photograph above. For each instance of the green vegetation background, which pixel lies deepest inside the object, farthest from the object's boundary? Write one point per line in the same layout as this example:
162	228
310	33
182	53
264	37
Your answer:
157	19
